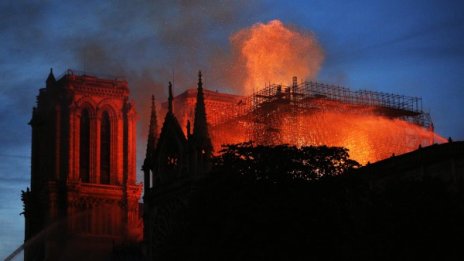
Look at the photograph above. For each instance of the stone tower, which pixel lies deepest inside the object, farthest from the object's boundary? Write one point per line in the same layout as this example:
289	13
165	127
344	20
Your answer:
83	196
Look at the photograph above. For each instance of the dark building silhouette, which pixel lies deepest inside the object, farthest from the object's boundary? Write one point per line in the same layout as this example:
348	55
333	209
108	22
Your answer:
444	162
400	207
406	207
171	165
83	196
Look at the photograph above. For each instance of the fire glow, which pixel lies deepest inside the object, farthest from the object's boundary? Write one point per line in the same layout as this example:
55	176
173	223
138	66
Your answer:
274	53
373	126
369	138
370	133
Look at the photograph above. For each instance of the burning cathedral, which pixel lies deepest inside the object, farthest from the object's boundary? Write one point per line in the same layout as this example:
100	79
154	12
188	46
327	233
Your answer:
84	197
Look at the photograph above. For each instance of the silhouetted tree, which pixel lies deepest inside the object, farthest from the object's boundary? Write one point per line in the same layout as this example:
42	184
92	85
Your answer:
283	163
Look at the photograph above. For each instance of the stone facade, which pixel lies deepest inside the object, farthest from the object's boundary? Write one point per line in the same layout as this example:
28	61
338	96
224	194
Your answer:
83	169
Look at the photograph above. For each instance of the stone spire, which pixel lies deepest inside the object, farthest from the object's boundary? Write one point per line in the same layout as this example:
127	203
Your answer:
200	126
152	136
153	129
51	78
170	98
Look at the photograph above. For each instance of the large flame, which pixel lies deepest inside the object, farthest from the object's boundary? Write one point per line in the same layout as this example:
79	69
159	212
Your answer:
274	53
368	137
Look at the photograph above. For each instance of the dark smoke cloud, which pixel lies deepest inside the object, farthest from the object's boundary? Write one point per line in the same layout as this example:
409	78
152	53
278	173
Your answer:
153	42
159	36
147	42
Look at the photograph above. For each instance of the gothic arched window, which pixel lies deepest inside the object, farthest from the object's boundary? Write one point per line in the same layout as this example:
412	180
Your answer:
105	144
84	157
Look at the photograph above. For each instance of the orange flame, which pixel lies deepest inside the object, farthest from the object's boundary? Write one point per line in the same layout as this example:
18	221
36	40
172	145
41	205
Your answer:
368	137
274	53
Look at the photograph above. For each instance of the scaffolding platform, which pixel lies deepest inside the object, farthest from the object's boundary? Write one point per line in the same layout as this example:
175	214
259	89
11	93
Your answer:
308	96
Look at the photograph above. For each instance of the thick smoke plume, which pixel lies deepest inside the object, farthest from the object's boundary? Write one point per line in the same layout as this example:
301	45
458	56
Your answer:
171	41
151	43
274	52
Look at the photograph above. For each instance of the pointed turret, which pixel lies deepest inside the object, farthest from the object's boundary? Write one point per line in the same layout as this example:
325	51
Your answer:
50	79
170	98
153	122
152	130
151	143
200	136
200	127
169	162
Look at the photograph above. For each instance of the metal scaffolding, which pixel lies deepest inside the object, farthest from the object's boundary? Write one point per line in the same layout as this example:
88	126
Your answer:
308	96
312	113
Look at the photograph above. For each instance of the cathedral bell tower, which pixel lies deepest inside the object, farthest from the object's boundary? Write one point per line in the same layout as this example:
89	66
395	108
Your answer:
83	169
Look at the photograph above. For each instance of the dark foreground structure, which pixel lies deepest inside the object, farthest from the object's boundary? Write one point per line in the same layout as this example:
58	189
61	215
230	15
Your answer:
402	208
173	164
262	203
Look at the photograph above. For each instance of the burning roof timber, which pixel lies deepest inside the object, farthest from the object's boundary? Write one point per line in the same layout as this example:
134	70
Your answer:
373	125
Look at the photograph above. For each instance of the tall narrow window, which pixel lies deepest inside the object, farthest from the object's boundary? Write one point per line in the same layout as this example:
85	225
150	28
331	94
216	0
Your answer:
105	144
84	157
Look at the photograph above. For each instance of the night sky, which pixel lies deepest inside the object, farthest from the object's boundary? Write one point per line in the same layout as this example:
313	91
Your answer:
413	48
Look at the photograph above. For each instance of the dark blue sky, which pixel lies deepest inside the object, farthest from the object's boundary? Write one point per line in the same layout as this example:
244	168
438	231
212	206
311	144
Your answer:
408	47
